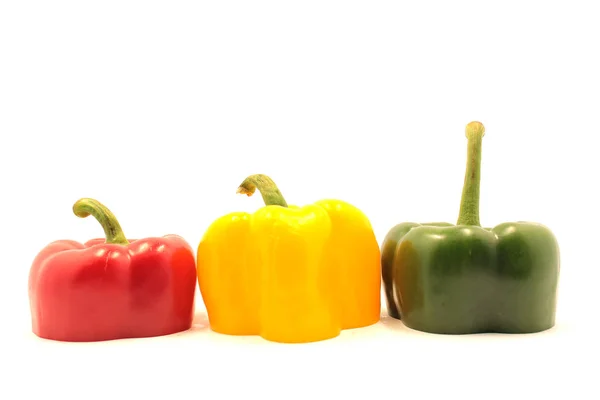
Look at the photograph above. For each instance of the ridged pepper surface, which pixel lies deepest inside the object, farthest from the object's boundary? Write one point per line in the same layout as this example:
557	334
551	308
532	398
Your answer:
111	288
290	274
462	279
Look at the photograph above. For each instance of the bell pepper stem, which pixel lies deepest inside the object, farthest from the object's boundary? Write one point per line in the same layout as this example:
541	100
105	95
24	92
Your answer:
469	203
112	230
267	188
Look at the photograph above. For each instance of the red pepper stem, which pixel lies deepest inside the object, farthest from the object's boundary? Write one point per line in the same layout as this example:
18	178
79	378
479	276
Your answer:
112	230
469	203
267	188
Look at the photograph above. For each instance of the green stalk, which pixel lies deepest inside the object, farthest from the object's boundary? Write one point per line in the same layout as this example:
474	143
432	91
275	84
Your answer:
469	203
112	230
267	188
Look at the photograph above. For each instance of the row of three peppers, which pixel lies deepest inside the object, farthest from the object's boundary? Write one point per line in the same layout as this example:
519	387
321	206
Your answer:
299	274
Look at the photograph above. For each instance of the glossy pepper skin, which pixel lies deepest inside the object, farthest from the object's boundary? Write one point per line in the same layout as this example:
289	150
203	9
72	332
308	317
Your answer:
463	279
290	274
113	288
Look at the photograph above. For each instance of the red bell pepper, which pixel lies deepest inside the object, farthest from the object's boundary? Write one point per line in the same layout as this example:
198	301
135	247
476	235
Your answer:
114	289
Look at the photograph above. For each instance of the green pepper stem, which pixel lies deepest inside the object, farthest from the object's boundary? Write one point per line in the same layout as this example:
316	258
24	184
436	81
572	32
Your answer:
469	203
112	230
267	188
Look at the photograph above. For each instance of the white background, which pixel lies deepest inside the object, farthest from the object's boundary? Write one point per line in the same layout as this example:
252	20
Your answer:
160	109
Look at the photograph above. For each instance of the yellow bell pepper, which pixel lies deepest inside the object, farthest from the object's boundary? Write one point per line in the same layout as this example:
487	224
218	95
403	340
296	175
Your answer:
290	274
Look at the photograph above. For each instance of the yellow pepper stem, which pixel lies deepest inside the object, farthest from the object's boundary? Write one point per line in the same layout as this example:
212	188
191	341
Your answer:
267	188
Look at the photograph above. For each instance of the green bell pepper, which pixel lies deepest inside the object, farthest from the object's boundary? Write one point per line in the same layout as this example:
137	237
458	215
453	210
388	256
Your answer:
461	279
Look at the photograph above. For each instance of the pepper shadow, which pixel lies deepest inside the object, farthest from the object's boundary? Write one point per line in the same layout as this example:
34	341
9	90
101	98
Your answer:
200	322
393	324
